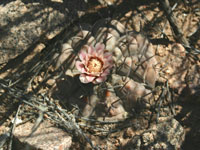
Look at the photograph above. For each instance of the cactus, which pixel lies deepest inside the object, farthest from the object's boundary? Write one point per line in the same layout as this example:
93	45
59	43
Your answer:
131	72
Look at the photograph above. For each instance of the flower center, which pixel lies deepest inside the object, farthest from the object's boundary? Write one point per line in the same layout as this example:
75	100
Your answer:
94	65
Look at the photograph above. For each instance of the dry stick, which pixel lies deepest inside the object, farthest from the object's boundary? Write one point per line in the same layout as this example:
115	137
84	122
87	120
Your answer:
13	129
75	126
99	122
172	20
177	31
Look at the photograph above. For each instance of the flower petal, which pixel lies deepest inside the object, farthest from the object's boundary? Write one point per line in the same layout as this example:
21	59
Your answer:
83	78
79	66
90	78
94	73
87	55
91	50
83	55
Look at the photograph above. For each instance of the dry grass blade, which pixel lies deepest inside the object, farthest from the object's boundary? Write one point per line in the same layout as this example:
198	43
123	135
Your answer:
37	123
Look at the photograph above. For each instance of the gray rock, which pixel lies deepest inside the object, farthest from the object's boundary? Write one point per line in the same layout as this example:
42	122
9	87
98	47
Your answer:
22	23
167	134
45	137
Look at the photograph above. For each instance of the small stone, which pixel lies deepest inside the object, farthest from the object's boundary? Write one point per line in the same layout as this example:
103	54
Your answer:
51	82
129	133
17	121
179	50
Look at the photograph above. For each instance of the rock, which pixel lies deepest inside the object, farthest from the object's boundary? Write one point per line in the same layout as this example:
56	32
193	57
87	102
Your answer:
129	133
107	2
45	137
51	82
23	23
167	134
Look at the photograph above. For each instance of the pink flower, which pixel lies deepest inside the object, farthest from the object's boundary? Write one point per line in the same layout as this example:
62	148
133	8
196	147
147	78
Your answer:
94	64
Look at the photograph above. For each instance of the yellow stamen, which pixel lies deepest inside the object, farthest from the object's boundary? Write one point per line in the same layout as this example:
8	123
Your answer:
94	65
